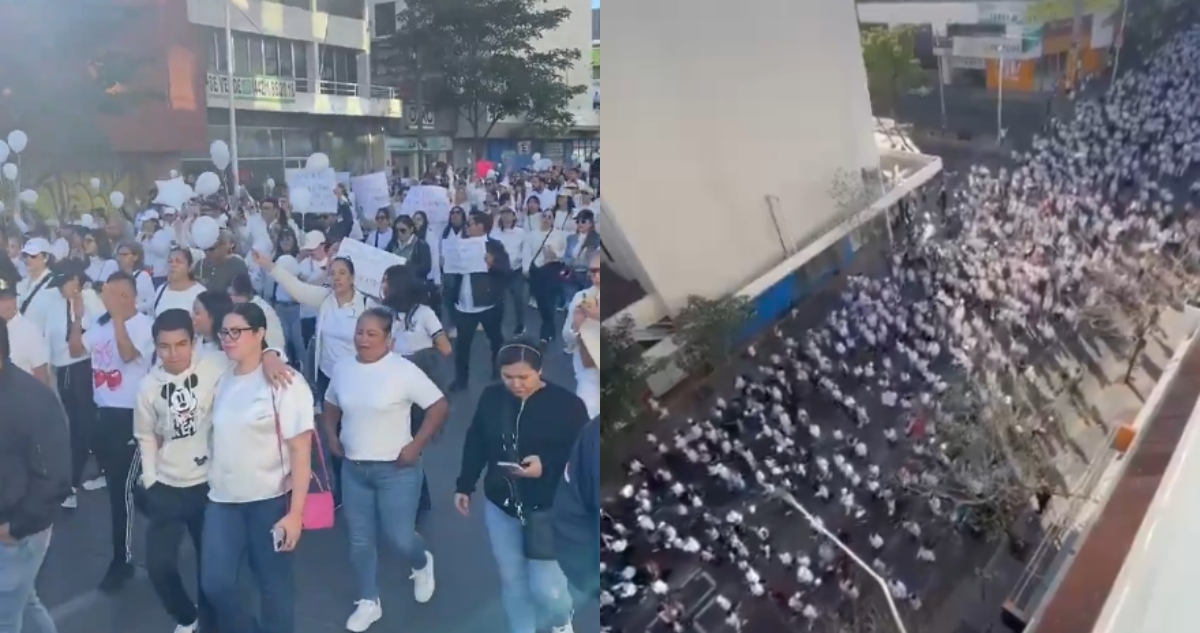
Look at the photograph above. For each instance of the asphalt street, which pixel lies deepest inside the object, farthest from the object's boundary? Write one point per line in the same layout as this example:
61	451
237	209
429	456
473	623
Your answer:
466	599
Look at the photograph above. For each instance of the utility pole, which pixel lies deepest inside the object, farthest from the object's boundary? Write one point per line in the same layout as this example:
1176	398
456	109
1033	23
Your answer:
233	147
1120	43
1074	59
941	59
1000	76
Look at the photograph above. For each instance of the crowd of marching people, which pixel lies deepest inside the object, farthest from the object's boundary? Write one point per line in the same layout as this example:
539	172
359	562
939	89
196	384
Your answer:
236	384
840	418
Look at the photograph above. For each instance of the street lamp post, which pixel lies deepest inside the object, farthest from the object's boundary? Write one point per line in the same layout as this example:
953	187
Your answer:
1000	76
819	526
229	55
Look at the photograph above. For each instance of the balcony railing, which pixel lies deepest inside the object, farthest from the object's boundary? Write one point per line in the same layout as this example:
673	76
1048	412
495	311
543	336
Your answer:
286	88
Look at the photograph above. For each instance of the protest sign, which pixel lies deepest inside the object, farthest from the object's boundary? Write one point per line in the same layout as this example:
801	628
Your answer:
369	265
465	256
433	200
371	193
320	186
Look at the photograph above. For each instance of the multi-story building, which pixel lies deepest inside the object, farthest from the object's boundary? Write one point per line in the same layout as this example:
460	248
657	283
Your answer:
1026	44
446	134
596	59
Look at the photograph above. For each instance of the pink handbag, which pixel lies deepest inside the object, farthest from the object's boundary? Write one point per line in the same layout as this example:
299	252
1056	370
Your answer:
318	506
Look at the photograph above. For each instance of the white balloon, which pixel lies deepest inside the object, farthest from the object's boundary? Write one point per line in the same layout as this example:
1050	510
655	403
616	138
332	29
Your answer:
317	162
205	232
208	183
29	196
536	157
17	140
301	199
116	198
3	151
174	173
10	171
218	151
95	184
173	193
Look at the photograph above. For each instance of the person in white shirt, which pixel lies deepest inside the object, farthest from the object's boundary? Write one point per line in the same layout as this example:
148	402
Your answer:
338	308
513	238
27	348
97	250
77	309
156	241
543	253
584	306
33	298
13	247
381	235
131	259
312	269
121	349
371	395
181	288
258	477
242	291
172	424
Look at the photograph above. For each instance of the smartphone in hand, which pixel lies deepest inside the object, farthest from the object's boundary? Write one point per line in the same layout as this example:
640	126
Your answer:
278	538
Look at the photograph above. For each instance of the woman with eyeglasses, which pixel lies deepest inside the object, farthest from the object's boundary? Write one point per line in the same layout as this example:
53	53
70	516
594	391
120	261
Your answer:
543	252
581	246
131	260
181	288
512	237
258	481
97	252
381	235
372	395
413	249
520	439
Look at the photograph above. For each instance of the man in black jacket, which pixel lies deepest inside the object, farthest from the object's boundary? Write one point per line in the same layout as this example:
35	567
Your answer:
35	478
577	515
478	300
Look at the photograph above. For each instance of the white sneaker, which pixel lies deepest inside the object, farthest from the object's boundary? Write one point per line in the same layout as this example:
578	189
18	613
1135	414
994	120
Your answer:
72	501
423	583
366	613
187	628
566	628
95	484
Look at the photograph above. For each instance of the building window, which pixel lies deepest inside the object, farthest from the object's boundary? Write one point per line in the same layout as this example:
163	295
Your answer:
298	4
385	19
271	56
339	71
595	73
241	53
353	9
257	55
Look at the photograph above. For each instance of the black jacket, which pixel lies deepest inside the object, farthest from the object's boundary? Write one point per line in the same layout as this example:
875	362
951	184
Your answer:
549	423
421	261
486	288
577	513
35	454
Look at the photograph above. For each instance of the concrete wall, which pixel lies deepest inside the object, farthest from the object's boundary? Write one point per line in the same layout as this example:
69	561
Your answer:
269	18
575	33
713	108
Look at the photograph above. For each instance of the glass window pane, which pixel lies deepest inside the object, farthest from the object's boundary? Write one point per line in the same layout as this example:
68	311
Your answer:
271	57
214	55
259	143
351	67
298	143
385	19
300	59
285	59
241	54
256	55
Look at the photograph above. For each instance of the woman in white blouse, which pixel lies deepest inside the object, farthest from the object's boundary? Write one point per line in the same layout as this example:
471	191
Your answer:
258	482
132	259
338	308
543	253
181	289
208	312
513	238
98	251
371	395
156	241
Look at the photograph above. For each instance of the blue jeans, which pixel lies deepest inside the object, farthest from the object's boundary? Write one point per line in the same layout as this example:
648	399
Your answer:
289	318
20	609
526	586
381	495
234	532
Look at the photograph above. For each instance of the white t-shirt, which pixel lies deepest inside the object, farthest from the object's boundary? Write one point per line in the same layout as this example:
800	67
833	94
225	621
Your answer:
376	401
99	270
168	299
337	335
250	460
408	339
27	346
116	381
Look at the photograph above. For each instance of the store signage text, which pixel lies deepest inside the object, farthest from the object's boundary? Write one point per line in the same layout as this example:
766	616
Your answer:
253	88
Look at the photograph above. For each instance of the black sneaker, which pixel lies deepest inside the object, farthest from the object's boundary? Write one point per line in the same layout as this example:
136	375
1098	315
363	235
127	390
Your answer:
115	578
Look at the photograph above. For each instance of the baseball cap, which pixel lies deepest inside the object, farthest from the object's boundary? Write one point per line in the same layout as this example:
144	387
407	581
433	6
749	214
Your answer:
312	240
150	215
36	246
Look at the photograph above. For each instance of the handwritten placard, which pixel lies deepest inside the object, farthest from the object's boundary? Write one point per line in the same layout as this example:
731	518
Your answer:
465	256
433	200
371	193
320	186
369	265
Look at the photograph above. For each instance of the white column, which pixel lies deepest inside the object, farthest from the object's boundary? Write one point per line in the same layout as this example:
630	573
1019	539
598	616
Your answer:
364	73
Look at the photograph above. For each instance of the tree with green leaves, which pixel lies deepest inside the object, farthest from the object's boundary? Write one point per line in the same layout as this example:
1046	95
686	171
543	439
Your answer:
493	70
623	377
74	70
412	57
891	63
707	331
